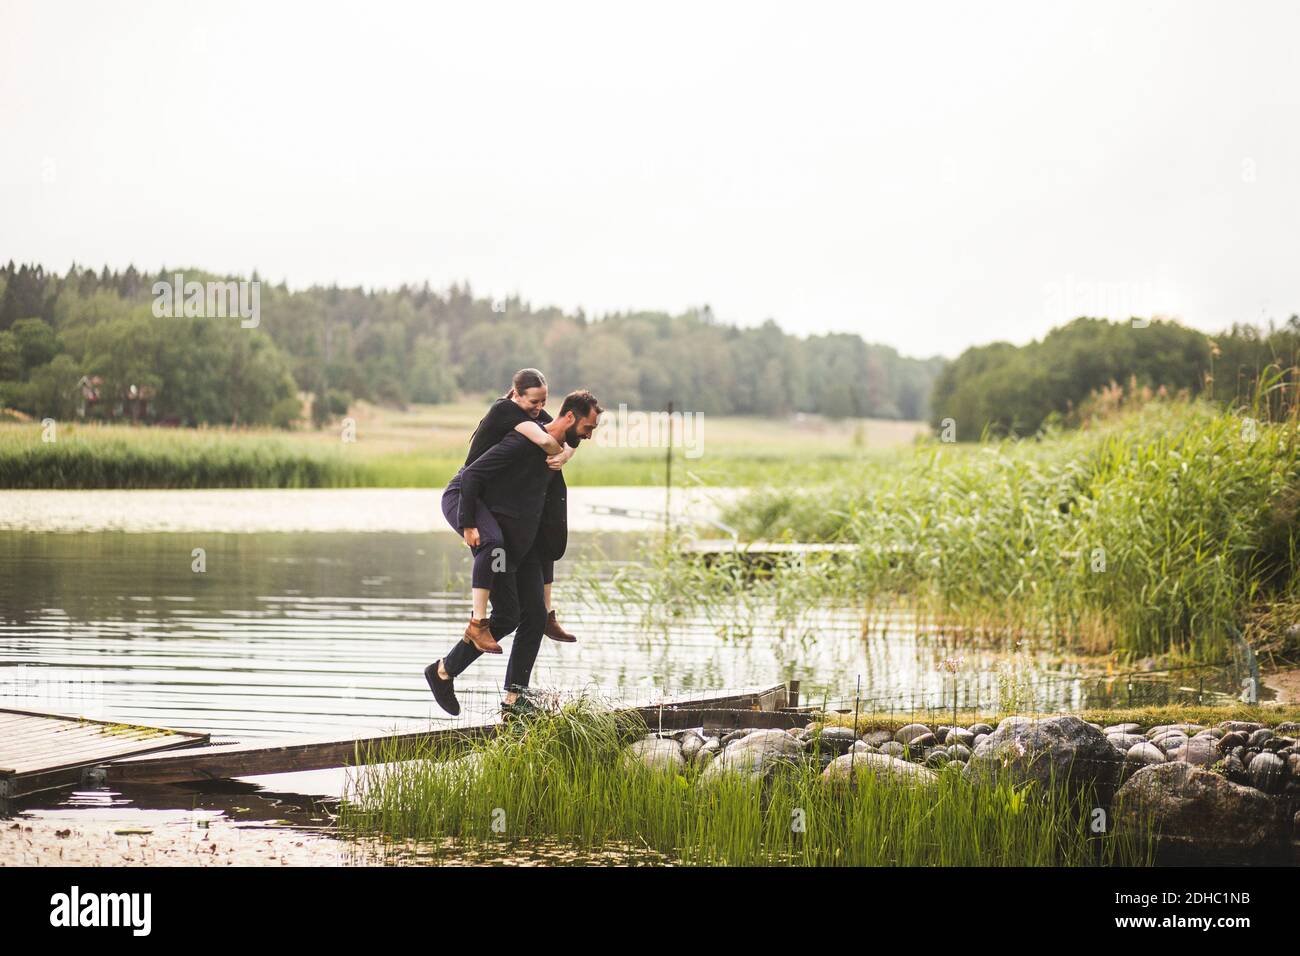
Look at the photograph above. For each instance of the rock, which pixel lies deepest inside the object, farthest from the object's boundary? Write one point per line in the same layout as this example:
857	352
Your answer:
978	729
655	753
1125	742
1258	738
713	745
1008	721
980	738
777	741
1234	769
1122	729
1185	729
921	743
1287	727
958	735
1170	740
690	742
1268	773
1293	765
911	732
1278	744
1238	726
1232	739
959	752
885	768
936	758
736	735
758	754
1143	755
1063	751
877	737
862	747
838	740
704	757
1197	814
1197	750
892	748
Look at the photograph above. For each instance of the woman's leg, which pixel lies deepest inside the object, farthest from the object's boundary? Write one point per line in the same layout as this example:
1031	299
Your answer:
476	632
489	558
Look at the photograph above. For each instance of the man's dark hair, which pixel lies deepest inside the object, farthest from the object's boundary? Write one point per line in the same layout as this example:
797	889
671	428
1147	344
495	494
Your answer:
581	403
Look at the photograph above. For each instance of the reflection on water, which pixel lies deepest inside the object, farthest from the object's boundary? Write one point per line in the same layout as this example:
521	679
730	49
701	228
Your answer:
328	634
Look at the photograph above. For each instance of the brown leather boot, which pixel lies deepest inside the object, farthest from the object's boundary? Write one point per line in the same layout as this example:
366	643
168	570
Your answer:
555	632
478	634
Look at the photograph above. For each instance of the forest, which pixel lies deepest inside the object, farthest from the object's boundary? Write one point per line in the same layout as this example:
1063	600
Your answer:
87	344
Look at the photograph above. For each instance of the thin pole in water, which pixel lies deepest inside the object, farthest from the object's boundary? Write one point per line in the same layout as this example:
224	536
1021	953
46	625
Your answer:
668	475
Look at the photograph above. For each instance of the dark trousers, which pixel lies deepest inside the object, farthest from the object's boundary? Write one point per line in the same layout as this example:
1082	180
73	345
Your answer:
519	605
491	538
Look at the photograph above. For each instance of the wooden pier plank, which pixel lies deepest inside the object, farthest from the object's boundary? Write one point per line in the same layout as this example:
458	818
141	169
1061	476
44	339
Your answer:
42	751
257	758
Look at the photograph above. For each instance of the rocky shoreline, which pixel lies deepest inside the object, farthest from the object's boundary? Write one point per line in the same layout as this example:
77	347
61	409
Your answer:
1223	793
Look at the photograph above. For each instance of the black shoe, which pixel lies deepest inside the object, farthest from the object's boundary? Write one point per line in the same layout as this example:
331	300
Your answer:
444	692
522	707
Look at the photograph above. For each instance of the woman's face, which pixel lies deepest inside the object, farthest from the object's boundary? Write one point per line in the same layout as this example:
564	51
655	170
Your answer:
532	401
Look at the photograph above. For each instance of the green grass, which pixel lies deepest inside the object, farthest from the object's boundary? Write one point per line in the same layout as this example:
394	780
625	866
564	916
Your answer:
561	779
422	447
1156	533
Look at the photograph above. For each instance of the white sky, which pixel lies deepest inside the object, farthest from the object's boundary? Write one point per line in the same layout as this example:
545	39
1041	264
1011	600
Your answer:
929	175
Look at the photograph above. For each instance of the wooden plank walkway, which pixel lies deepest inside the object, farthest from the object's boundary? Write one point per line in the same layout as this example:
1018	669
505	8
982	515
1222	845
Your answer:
760	549
45	751
255	758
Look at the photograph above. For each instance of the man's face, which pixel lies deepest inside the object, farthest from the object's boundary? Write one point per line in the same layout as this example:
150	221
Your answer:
533	400
582	428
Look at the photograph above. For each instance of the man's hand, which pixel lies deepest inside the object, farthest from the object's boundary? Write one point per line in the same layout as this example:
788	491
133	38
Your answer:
471	537
556	462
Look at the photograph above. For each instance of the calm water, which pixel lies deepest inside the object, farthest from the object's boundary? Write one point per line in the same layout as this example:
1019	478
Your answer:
328	634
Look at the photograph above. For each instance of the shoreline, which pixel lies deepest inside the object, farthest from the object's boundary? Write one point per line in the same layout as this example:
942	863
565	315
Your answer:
262	510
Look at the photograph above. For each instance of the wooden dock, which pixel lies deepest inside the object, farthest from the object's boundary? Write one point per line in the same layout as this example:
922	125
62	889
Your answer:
41	752
762	556
46	751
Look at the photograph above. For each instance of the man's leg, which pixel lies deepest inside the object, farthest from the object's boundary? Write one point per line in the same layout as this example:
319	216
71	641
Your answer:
532	621
553	629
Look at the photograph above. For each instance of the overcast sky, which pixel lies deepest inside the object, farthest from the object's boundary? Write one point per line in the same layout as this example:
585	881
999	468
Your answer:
930	176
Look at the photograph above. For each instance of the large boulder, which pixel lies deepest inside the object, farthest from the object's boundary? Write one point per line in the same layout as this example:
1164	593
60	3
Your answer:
1199	816
886	769
837	740
1201	751
654	753
906	735
1053	751
758	754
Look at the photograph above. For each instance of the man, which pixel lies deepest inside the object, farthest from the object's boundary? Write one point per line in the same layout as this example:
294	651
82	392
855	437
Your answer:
513	479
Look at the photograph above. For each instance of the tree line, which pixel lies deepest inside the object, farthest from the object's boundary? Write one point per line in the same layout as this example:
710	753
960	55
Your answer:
1003	389
88	343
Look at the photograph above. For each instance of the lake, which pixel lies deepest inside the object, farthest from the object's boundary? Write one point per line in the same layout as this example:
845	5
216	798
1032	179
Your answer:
326	633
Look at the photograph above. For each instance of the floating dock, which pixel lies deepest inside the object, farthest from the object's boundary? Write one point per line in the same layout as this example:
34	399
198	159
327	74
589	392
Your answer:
45	751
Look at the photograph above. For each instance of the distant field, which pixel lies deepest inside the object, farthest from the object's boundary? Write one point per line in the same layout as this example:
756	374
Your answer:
422	447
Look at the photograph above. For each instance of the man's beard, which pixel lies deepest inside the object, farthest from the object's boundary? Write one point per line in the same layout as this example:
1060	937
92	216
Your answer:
571	437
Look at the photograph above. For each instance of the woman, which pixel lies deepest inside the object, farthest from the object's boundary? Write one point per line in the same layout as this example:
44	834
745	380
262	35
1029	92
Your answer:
522	410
